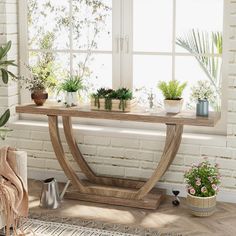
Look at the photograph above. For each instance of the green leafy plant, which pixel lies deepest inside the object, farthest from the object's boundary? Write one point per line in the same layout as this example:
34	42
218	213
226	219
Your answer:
203	46
4	63
122	94
71	84
39	78
203	179
5	76
172	90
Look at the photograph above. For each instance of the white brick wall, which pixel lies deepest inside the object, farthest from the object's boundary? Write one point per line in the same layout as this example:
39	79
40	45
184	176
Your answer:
132	154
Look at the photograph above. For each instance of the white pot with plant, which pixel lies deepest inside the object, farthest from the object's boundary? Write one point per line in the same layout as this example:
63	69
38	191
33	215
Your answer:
202	94
172	91
202	186
71	87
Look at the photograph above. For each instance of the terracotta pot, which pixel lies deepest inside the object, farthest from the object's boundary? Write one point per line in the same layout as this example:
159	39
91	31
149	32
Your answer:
173	106
39	97
201	206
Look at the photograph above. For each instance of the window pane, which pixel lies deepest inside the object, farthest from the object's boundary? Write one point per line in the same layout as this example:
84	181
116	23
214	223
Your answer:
148	71
92	25
48	24
153	25
99	73
203	15
188	70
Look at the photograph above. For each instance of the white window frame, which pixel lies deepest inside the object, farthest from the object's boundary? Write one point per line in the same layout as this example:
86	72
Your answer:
122	59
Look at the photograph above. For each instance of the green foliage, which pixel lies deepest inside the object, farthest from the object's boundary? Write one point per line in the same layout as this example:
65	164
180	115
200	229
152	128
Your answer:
42	74
121	94
172	90
124	94
203	179
5	73
4	118
201	45
4	63
72	84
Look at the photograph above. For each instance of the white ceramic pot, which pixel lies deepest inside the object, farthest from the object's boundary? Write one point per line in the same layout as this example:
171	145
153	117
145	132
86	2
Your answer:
71	99
173	106
201	206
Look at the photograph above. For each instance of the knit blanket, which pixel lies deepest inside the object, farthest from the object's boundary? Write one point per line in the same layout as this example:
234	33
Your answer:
13	192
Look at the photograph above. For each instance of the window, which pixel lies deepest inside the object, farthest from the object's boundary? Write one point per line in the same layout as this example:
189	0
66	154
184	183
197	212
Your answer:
156	55
67	37
135	41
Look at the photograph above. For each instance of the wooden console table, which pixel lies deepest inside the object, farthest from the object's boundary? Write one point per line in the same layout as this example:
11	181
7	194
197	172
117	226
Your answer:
117	191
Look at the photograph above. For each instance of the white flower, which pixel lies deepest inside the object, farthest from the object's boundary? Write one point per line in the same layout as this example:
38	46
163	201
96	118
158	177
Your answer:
203	90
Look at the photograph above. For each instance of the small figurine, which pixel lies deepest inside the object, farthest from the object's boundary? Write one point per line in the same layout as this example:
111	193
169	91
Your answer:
151	98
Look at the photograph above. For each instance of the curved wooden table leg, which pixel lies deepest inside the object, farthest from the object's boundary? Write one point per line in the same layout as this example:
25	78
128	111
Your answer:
173	140
58	149
78	157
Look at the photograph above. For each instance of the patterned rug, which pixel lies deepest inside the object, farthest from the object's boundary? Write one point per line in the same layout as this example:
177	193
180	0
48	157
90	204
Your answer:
41	224
33	227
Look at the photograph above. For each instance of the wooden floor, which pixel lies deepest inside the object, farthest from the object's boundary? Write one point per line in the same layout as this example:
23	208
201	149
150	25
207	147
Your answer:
166	219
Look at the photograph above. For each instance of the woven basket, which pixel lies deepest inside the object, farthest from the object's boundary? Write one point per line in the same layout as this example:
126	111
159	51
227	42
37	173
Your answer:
201	206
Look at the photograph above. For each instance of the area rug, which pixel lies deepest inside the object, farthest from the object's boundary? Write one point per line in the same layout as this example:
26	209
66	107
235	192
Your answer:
33	227
85	227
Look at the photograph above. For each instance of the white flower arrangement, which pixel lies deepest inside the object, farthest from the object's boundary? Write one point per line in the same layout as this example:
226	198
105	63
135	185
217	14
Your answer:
203	91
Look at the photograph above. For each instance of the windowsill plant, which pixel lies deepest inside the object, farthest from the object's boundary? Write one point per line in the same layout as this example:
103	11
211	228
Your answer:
203	94
40	79
202	186
71	86
112	100
172	92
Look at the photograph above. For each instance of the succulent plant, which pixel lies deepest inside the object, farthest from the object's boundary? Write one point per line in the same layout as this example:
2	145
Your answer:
122	94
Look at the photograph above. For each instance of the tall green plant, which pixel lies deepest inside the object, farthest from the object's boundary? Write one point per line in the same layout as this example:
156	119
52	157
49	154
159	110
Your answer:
204	46
5	73
172	90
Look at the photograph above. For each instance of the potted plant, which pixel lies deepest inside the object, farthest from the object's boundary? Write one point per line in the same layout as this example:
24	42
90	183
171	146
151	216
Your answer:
5	73
202	93
113	100
202	185
172	91
71	86
40	79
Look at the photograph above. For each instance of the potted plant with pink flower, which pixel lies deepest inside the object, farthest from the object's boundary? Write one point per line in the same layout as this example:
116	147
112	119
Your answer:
202	186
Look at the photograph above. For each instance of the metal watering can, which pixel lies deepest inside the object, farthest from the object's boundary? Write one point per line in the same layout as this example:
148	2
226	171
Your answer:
50	197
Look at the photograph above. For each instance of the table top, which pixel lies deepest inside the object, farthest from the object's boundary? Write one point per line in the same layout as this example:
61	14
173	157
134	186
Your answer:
183	118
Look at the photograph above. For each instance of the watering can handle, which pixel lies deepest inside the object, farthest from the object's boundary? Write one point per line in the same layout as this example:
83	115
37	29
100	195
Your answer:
64	190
